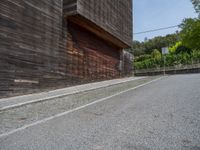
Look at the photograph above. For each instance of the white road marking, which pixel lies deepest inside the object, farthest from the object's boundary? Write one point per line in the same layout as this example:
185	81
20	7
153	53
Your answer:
73	110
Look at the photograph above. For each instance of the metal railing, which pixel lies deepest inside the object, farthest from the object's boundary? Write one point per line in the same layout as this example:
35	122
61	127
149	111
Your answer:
167	69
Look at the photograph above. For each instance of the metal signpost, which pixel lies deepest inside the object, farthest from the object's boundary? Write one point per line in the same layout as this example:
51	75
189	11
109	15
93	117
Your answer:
165	51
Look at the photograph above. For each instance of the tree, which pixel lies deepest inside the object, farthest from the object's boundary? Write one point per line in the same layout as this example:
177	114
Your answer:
159	42
137	49
147	47
196	4
190	33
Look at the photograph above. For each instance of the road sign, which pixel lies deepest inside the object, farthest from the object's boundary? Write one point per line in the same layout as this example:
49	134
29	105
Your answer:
165	50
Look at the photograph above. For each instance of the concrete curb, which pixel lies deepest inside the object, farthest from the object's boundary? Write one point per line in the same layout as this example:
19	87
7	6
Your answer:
14	102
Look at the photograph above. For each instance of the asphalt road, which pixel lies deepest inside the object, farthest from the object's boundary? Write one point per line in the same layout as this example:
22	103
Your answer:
163	115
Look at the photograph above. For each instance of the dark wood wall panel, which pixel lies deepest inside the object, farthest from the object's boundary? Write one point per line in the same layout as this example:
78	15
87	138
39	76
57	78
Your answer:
39	52
70	7
92	58
32	45
114	16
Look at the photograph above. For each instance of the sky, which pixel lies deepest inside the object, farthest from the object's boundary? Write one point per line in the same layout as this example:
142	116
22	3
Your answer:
154	14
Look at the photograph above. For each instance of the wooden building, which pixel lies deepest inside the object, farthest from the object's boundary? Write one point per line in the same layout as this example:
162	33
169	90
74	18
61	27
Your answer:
48	44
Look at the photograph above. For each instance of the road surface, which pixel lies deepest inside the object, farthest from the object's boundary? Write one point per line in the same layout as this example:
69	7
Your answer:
163	115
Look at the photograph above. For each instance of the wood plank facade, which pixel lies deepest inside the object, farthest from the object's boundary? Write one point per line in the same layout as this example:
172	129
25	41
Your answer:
113	16
49	44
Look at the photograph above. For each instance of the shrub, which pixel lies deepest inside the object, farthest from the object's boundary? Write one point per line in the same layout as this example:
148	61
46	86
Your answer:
173	48
142	58
182	49
156	54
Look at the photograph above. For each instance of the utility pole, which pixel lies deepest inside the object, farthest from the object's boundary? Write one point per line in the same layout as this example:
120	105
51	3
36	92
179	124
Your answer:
165	51
164	64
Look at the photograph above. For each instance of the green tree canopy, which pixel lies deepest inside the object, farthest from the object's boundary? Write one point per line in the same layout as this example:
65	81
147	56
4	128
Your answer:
147	47
190	33
137	48
196	4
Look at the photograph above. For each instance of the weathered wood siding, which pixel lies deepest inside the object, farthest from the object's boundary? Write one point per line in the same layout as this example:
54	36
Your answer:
32	45
114	16
70	7
40	49
90	57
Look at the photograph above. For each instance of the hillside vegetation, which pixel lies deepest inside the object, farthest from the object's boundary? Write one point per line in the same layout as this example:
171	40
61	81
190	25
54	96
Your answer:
184	46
